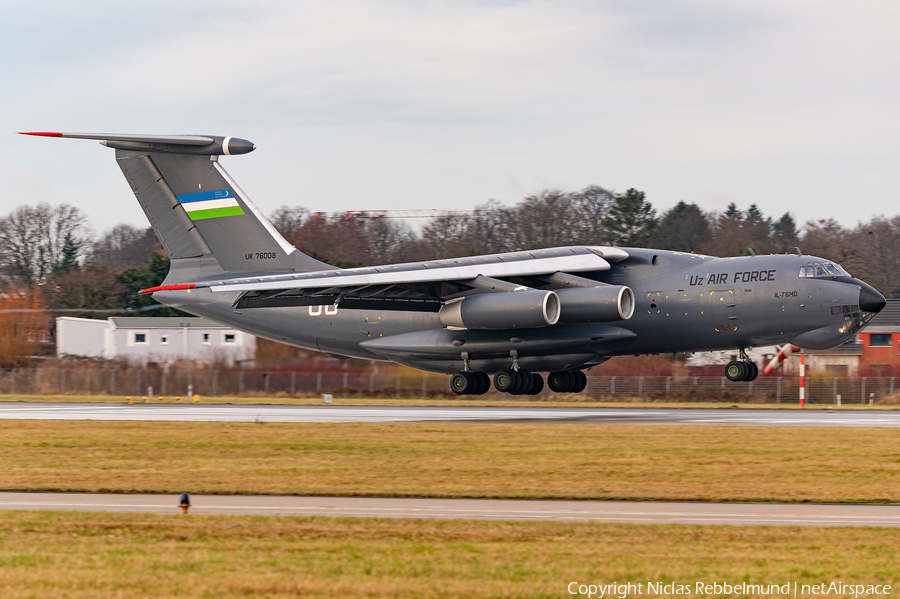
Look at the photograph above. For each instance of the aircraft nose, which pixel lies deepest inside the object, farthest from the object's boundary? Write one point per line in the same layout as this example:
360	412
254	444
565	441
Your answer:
870	300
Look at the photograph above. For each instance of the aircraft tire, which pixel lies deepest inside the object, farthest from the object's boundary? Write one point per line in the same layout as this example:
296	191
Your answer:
573	381
484	383
506	381
580	381
736	371
537	384
463	383
526	381
559	382
754	371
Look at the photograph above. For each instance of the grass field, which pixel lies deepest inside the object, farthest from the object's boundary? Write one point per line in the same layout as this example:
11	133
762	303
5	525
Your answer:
580	461
563	401
49	554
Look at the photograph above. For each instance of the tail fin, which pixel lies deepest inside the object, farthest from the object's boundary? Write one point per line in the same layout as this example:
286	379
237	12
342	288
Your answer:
195	208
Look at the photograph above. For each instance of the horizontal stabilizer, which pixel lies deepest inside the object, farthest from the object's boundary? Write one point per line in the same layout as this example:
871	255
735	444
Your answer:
174	144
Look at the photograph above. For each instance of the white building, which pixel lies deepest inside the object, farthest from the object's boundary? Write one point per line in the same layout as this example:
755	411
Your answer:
160	340
760	355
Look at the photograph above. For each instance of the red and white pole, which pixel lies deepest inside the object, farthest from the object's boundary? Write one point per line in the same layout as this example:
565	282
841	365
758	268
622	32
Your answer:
783	354
802	381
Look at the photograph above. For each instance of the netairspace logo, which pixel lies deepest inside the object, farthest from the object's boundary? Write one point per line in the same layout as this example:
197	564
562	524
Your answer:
623	590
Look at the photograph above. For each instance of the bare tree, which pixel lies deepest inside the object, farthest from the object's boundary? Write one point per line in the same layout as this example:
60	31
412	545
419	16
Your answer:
545	219
123	247
340	241
288	219
446	237
38	241
878	241
593	204
827	239
391	241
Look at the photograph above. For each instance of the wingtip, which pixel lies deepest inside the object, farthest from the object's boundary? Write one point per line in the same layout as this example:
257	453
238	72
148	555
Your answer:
41	133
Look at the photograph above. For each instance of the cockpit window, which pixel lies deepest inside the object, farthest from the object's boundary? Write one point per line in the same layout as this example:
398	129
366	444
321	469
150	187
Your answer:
821	270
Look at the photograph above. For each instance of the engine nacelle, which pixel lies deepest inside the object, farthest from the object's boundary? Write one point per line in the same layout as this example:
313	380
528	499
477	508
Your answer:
608	303
526	309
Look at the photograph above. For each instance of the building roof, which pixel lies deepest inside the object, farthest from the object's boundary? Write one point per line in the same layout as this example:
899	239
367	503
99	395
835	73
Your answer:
163	322
888	317
105	321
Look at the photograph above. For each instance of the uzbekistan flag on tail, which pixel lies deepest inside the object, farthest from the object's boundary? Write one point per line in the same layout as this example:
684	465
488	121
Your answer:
210	204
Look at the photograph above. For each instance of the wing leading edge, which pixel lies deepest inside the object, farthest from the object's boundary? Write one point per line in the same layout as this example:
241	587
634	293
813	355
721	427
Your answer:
513	264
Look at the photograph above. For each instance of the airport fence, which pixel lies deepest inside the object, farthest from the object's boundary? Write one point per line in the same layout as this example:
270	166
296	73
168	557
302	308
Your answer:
217	382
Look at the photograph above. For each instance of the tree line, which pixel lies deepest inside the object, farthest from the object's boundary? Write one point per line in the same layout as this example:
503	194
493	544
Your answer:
54	247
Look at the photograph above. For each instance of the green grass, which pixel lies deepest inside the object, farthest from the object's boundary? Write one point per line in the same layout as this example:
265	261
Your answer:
553	460
90	555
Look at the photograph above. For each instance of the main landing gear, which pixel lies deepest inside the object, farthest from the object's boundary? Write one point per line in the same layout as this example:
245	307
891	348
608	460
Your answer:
470	383
744	369
569	381
518	382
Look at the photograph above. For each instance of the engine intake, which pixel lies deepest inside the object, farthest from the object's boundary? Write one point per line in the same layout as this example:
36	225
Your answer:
506	310
596	304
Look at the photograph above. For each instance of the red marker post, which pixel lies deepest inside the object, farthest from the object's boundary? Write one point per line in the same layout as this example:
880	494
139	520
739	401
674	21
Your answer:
802	381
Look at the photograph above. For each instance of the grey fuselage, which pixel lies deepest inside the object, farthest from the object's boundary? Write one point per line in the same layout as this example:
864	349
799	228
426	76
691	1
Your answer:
683	303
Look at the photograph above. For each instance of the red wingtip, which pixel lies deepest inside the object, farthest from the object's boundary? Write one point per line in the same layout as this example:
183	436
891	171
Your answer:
41	133
169	288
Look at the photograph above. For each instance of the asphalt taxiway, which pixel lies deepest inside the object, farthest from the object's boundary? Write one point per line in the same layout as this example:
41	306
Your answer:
331	413
741	514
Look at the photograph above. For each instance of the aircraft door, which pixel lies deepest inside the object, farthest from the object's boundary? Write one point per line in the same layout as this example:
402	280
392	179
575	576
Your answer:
724	309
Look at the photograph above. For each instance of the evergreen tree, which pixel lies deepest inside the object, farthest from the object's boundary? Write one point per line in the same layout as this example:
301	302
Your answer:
784	233
152	275
68	260
733	213
631	220
758	226
683	228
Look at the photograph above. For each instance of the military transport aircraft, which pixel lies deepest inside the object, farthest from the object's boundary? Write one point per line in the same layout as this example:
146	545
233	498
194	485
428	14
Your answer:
558	310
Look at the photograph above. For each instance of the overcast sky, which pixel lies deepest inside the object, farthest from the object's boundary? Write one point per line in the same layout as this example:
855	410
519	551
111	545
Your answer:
401	105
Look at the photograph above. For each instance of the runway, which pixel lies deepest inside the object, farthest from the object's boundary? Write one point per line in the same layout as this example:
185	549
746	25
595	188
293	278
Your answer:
269	413
478	509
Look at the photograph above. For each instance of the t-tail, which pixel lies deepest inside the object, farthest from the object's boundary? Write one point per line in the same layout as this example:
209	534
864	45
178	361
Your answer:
206	224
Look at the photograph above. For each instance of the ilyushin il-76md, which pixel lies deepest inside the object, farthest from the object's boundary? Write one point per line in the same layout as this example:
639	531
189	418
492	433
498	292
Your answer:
508	316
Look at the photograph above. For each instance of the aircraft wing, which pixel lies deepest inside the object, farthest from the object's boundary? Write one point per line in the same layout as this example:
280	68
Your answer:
409	286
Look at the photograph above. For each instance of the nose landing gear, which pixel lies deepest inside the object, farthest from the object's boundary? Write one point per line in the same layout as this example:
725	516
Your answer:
743	369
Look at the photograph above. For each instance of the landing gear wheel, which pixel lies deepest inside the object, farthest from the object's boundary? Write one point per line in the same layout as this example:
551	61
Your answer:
560	382
736	371
580	381
525	382
537	384
484	383
462	383
754	371
506	381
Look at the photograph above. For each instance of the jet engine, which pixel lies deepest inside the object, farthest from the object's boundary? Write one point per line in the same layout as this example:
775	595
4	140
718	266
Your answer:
524	309
595	304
